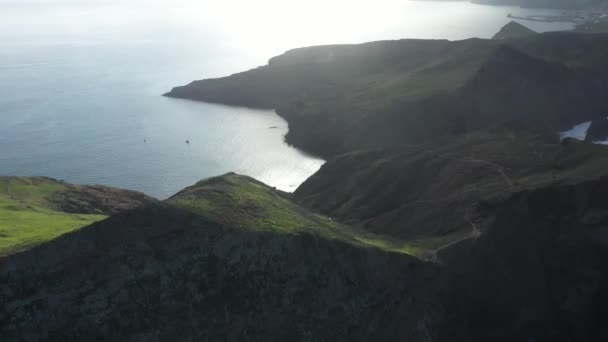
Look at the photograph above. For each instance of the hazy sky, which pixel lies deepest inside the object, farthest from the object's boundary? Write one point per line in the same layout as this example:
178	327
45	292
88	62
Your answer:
275	20
266	26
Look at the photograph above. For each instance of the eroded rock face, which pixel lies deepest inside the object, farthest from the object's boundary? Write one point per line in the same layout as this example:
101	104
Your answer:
161	273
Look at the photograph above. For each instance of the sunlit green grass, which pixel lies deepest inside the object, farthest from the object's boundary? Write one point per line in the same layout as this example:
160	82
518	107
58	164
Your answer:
25	217
242	202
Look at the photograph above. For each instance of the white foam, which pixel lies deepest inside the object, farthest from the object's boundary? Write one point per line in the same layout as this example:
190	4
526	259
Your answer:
577	132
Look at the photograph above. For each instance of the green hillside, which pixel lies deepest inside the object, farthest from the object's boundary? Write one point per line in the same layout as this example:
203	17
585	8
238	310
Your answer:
34	210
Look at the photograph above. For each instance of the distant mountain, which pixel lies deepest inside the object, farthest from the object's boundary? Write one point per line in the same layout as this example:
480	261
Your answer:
559	4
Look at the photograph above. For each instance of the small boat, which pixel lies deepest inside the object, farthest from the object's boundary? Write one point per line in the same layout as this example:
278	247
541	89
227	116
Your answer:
187	141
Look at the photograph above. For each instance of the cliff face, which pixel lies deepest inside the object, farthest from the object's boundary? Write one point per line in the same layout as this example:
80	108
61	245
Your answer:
340	99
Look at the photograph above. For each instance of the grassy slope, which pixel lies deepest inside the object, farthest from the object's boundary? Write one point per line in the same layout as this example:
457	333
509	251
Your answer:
26	217
243	202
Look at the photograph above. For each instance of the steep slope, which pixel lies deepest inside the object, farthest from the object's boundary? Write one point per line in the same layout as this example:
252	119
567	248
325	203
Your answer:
539	271
226	259
36	209
423	191
345	98
243	202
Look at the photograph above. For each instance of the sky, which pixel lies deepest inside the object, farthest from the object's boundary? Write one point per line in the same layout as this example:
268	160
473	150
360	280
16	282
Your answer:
281	23
267	26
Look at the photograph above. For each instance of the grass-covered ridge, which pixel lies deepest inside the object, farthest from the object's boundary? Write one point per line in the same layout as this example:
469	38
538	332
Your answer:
245	203
27	217
34	210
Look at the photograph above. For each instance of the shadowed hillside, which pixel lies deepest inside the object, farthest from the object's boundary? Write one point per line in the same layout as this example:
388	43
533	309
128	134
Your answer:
539	271
420	191
217	262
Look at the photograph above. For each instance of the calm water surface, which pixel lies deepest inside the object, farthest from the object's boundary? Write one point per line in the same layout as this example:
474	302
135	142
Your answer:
80	84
